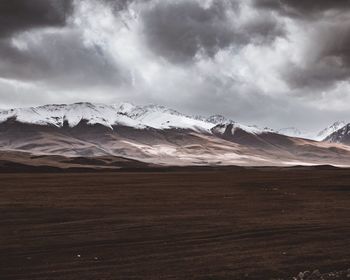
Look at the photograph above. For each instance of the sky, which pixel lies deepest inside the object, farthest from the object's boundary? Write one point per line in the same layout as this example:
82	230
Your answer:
274	63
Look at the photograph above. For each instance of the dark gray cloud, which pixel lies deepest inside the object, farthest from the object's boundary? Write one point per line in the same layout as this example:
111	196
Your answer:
264	29
326	57
179	30
303	8
61	59
120	5
19	15
316	77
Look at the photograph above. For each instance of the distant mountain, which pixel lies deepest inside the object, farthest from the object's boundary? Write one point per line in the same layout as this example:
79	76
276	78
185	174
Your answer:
153	134
291	131
125	114
342	136
330	130
320	136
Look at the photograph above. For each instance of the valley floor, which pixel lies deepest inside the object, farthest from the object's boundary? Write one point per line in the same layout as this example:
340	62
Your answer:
265	223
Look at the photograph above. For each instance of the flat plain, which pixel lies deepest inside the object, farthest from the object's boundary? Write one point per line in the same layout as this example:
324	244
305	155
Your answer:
229	223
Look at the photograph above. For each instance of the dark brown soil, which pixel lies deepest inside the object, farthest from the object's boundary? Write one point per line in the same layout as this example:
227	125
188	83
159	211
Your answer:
220	224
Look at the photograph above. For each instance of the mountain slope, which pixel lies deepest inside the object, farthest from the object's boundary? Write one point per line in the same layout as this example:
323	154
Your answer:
330	130
249	136
170	146
340	136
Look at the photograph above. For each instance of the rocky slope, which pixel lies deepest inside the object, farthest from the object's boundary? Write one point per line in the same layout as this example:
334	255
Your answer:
340	136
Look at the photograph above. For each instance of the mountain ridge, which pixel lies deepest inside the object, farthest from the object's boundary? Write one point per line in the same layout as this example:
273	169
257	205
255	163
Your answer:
141	117
154	116
155	134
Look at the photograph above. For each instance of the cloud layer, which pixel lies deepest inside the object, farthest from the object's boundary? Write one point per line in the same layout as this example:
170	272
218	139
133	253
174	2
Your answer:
265	62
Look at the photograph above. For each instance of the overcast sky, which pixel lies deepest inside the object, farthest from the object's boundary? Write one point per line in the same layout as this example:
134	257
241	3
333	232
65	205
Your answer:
275	63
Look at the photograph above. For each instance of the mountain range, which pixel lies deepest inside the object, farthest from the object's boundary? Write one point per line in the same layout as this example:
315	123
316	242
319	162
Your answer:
97	135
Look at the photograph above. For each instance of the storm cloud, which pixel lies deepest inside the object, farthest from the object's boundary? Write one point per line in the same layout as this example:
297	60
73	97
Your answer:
58	58
264	62
306	9
180	30
326	58
20	15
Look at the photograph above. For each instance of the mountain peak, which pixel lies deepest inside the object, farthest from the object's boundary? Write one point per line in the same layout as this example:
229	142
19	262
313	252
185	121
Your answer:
219	119
341	135
330	130
125	108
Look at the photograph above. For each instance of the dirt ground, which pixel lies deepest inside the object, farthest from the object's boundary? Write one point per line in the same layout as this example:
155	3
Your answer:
187	224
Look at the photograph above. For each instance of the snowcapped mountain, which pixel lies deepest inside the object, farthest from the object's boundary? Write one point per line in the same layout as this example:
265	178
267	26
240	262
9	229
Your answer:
71	115
156	135
141	117
330	130
294	132
125	114
340	136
